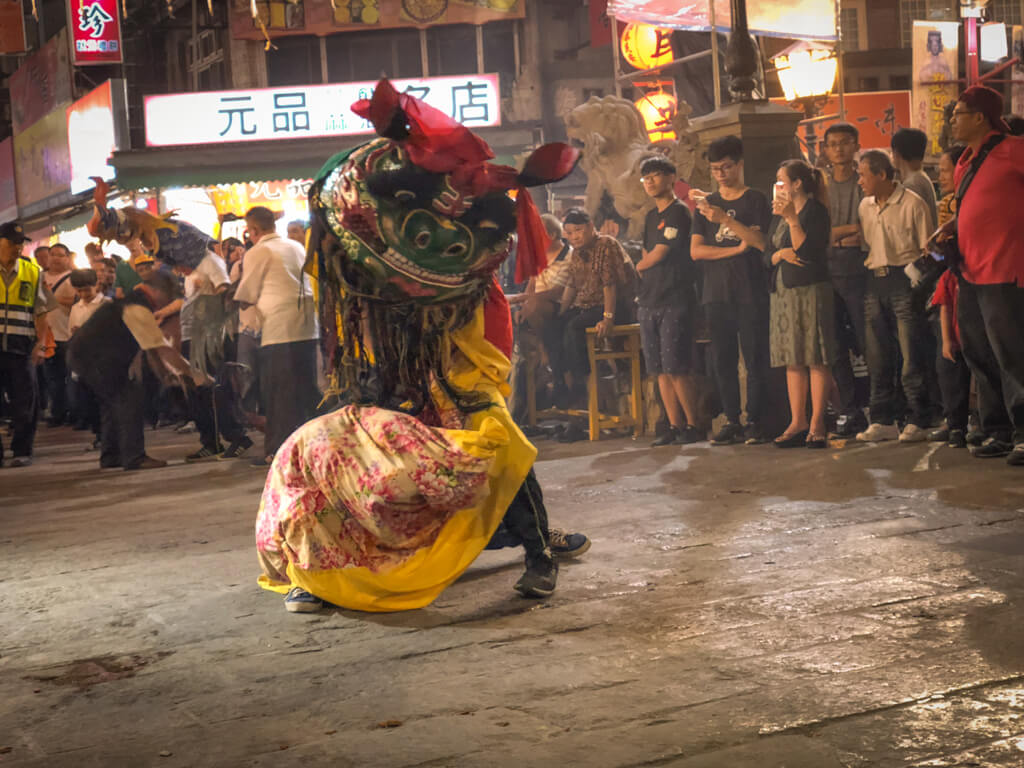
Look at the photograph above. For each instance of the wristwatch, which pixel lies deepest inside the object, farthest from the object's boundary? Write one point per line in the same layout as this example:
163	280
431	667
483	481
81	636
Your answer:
609	315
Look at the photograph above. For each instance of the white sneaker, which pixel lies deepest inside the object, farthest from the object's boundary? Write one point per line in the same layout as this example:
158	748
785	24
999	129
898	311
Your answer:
913	434
877	433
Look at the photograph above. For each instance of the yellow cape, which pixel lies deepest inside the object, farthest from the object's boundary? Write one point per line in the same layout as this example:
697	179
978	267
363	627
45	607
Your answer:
479	366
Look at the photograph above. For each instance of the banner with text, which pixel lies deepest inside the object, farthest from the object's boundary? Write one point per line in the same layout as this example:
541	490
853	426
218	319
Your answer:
95	32
804	19
41	83
936	53
12	27
41	161
8	191
1017	76
285	17
306	112
877	115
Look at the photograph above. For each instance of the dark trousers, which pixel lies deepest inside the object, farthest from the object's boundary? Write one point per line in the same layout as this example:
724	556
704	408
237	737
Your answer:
87	407
248	356
122	425
57	383
894	325
215	411
991	322
18	380
735	327
955	383
288	387
525	523
849	292
573	358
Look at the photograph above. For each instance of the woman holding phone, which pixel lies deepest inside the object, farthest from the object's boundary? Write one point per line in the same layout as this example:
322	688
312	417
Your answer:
802	328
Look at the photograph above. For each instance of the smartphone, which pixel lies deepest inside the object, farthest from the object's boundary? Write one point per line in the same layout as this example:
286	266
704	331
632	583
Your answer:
776	191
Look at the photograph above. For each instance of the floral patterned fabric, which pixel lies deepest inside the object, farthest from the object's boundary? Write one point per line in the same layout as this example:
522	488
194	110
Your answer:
364	487
376	510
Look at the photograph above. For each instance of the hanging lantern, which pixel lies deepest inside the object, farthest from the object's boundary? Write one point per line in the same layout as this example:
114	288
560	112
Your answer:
657	110
646	47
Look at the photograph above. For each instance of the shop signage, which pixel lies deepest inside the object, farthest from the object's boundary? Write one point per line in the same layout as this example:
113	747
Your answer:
308	17
41	162
12	27
41	83
803	19
95	32
8	195
97	127
301	112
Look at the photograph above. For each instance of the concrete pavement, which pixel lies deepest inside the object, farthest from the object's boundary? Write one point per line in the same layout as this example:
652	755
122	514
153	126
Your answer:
741	606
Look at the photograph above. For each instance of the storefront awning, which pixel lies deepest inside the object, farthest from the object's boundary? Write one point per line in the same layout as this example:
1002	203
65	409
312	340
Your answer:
203	166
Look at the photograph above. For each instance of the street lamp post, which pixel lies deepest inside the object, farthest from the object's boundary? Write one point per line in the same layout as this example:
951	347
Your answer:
807	72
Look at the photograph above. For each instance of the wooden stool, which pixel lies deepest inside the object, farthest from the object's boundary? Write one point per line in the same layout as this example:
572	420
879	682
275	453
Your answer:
598	421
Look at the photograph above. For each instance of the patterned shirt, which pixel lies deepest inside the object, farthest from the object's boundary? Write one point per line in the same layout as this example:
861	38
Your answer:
595	267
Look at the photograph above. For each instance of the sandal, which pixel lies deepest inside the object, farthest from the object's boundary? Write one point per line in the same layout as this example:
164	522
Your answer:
793	440
817	441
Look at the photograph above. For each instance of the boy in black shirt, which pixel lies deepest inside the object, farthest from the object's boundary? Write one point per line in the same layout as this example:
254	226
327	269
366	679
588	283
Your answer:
667	301
728	238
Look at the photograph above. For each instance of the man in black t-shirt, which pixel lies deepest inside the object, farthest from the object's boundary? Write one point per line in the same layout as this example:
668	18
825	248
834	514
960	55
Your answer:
667	301
728	238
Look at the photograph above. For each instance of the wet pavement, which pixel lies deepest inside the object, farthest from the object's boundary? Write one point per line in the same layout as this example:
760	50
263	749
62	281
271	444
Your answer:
741	606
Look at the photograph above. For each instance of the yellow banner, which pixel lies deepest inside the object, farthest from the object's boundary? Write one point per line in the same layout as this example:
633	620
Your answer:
936	46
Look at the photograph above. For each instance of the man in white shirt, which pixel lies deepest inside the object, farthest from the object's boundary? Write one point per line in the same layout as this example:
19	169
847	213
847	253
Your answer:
273	281
58	279
896	226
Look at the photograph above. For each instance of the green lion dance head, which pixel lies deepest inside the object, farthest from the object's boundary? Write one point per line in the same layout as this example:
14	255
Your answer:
407	233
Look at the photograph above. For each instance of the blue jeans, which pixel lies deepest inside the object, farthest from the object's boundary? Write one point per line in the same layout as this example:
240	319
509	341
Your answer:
893	324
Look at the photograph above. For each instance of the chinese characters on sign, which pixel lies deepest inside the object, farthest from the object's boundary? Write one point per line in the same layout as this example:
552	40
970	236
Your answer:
877	115
95	32
935	60
306	111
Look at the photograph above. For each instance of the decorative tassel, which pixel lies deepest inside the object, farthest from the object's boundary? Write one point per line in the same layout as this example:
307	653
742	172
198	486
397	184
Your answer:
533	240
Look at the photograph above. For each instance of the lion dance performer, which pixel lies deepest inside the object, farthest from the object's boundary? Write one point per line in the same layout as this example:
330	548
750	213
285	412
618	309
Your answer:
381	504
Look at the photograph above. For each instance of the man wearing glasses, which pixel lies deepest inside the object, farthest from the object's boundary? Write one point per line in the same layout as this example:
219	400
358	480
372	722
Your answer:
990	235
728	238
846	266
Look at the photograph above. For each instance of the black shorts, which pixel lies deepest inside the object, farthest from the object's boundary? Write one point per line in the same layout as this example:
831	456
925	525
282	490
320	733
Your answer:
666	334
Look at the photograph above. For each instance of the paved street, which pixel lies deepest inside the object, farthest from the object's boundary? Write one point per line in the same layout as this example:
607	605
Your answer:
860	606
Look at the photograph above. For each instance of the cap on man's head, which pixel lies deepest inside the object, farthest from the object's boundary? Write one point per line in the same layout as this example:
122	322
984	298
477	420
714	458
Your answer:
12	231
143	258
989	103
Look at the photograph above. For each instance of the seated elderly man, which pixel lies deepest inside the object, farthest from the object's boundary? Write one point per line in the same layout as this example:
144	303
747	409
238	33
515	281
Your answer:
597	283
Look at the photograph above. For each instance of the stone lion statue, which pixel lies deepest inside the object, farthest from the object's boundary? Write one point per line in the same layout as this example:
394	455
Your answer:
611	131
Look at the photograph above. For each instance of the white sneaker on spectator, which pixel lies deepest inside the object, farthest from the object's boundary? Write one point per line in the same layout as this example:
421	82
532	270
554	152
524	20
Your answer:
913	434
877	433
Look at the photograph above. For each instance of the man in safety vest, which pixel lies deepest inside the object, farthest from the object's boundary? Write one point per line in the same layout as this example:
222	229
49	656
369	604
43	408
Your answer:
24	302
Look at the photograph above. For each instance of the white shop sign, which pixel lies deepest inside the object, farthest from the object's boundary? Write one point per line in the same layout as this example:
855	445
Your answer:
309	111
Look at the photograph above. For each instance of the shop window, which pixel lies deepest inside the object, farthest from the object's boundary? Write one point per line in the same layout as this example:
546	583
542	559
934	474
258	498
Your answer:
294	61
367	55
849	19
451	49
926	10
282	14
499	40
206	59
1009	12
899	82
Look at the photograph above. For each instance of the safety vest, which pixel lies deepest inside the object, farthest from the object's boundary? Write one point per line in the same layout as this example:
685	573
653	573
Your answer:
17	310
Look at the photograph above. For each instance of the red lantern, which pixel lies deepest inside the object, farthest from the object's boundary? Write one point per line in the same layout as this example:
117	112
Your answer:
657	110
646	47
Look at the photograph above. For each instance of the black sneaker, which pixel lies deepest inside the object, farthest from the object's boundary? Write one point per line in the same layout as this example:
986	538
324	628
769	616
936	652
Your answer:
669	438
851	426
1016	457
992	449
203	454
539	580
975	436
565	544
957	439
730	434
688	435
942	435
236	450
754	434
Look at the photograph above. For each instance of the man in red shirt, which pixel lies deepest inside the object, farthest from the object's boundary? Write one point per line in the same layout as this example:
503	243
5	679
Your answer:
990	232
